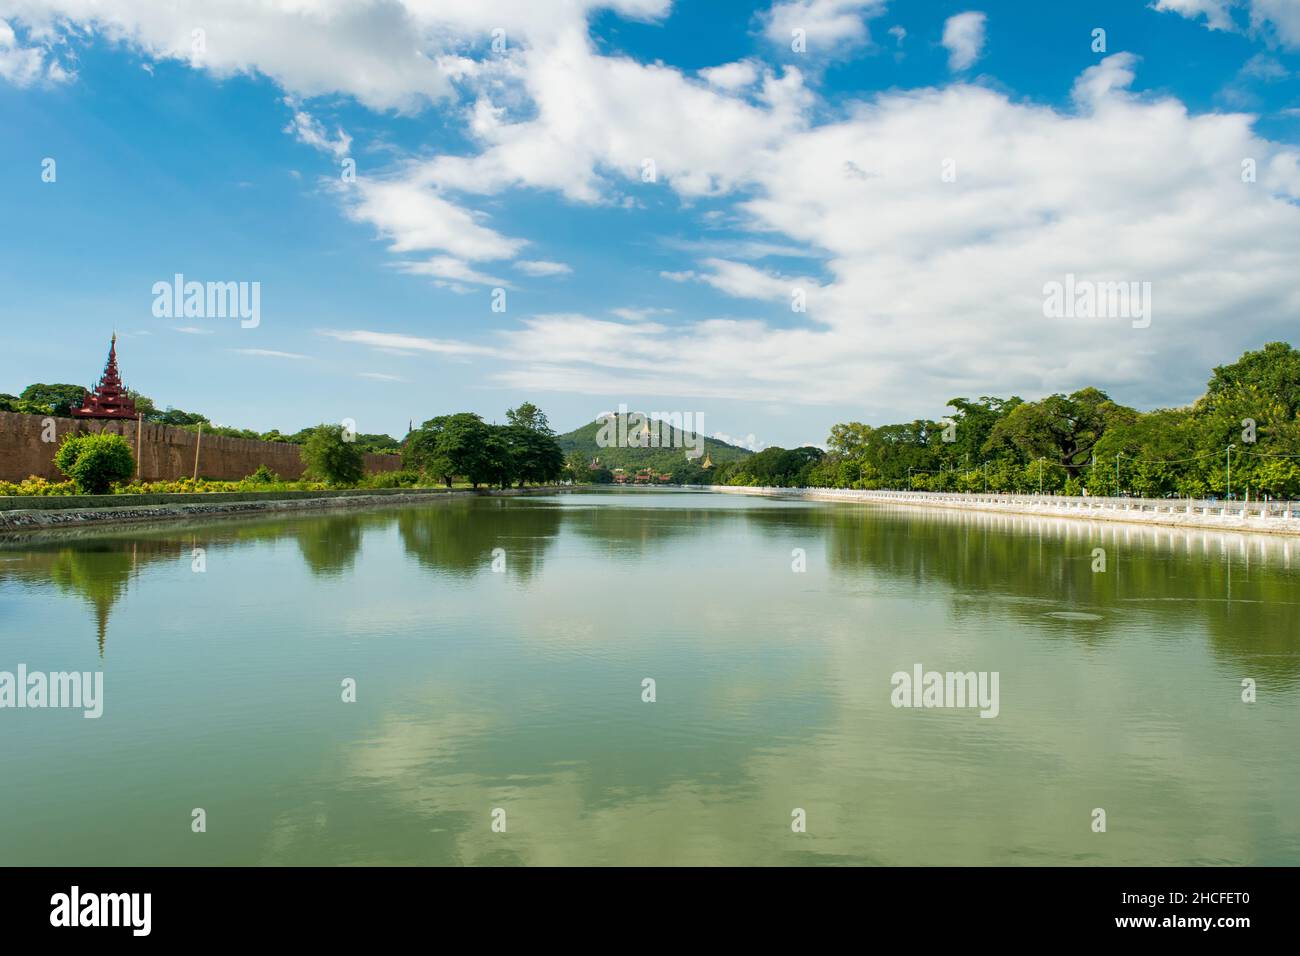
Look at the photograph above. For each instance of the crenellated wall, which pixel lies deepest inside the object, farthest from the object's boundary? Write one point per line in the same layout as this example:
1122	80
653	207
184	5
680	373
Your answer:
166	453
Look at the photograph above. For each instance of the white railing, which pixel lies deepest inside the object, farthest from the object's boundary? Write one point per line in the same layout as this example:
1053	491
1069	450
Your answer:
1049	503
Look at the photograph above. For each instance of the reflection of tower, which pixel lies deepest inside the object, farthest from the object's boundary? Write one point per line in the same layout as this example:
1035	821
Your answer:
101	622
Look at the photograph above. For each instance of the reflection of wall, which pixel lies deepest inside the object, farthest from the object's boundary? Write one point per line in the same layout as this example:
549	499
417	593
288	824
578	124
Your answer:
1239	588
166	453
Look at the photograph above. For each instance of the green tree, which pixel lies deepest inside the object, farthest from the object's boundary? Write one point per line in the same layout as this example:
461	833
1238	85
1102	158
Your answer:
1062	428
95	461
529	416
54	399
1274	370
329	456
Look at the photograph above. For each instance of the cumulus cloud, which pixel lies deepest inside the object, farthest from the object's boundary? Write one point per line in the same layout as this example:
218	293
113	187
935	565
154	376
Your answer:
925	287
26	65
1217	16
963	38
1282	17
731	76
393	54
413	216
1276	19
826	25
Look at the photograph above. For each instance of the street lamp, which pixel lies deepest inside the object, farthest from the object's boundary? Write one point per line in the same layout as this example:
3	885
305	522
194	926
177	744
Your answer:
1117	474
986	477
1229	453
1040	477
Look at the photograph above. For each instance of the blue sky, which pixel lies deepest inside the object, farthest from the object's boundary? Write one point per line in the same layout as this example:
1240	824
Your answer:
209	139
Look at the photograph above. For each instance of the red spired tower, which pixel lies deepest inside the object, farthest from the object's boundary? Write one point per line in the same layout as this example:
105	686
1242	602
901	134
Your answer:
109	399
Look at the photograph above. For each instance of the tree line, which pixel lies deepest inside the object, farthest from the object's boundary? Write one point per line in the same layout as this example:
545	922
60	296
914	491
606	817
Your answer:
463	446
1241	437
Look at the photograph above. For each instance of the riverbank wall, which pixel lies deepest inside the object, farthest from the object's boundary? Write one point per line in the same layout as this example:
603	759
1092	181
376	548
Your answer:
1262	517
28	444
53	514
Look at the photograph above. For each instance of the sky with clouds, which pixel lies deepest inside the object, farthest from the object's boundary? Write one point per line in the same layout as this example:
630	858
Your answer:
780	215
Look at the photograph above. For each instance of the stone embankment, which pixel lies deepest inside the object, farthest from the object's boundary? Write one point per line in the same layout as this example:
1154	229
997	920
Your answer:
18	515
1265	517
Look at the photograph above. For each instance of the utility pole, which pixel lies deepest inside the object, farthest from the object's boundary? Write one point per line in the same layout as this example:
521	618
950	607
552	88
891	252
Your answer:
1040	476
1116	474
1229	453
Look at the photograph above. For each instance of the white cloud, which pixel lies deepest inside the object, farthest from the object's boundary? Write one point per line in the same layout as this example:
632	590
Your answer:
731	76
450	272
828	25
269	353
414	217
743	281
935	288
307	129
538	267
927	289
381	376
1283	16
1278	19
1099	83
397	341
963	38
26	65
1215	12
638	315
390	54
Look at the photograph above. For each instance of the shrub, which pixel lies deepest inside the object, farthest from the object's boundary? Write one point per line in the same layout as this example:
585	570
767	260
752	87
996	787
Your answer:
330	456
95	462
392	479
263	476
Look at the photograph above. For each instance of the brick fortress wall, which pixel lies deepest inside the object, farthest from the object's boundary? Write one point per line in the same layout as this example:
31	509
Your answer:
166	452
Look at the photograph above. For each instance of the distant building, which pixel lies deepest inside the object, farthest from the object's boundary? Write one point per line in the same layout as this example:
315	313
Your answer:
109	399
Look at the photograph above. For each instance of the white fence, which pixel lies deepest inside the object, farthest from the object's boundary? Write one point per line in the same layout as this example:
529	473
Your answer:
1275	515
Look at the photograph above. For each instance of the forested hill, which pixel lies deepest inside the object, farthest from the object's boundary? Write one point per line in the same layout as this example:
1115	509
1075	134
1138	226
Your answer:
583	441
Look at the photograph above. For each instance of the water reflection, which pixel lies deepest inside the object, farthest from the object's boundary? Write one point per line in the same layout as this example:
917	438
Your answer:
459	537
1239	587
1119	689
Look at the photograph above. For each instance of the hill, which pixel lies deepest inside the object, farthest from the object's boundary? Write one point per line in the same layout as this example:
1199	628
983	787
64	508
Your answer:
583	441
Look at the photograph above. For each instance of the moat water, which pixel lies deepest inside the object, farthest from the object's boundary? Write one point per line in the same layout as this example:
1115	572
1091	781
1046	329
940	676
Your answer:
500	650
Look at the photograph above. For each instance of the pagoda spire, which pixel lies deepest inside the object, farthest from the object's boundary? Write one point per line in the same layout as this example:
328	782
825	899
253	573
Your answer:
109	399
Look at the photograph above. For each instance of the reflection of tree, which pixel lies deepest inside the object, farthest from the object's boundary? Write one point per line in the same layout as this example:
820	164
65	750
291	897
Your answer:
627	528
459	536
329	545
1235	586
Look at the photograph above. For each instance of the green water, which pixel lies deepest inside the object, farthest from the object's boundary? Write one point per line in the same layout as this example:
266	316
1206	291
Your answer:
521	689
